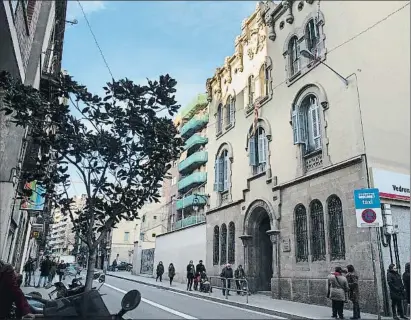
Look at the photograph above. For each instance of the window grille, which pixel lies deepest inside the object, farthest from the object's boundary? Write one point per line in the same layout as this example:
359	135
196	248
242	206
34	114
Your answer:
223	241
336	228
317	231
301	233
216	246
231	243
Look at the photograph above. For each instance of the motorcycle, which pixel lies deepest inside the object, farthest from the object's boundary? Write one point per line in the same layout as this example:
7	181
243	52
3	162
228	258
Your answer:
76	287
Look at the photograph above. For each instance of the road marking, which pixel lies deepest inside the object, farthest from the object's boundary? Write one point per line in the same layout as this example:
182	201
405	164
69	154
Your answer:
154	304
215	302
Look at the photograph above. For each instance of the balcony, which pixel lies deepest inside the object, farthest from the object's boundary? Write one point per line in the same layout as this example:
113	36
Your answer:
195	142
188	222
191	181
189	201
193	162
194	125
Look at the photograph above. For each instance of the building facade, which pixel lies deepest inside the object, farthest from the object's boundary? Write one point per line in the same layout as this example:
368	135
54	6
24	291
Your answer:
293	139
32	35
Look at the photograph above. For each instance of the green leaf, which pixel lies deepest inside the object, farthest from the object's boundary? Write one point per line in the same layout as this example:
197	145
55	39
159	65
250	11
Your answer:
85	110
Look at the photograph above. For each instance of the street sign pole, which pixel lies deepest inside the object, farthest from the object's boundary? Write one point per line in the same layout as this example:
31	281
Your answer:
374	269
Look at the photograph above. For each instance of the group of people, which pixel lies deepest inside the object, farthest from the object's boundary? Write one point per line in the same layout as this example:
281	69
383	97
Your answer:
239	274
343	286
48	270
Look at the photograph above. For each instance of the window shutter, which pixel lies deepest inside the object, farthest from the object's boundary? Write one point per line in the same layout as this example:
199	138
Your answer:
302	126
246	95
260	148
251	151
315	120
295	125
232	110
225	166
265	148
228	165
220	174
252	89
227	114
216	174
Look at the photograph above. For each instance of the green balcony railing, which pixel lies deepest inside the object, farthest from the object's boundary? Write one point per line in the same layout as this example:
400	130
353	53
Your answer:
194	125
194	161
188	201
189	221
195	141
194	179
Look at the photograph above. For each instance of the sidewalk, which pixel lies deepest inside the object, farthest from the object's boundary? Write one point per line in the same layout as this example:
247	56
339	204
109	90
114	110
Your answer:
259	302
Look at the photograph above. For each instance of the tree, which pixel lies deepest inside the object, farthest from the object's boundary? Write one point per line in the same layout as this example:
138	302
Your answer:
118	144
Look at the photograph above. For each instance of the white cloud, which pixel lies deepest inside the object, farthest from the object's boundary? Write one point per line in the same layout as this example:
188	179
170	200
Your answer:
74	10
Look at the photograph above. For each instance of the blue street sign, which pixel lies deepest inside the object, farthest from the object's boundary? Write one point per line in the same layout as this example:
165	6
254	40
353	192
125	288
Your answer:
367	199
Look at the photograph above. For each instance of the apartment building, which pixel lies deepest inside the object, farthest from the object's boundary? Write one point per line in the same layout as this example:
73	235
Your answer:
32	36
311	106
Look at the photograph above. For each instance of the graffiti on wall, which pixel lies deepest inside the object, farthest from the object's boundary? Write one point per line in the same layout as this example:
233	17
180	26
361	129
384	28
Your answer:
147	261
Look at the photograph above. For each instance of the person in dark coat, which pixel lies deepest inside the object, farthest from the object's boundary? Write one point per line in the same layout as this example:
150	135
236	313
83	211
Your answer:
239	273
190	275
353	292
396	291
44	271
227	274
406	281
160	271
61	269
28	271
171	273
199	269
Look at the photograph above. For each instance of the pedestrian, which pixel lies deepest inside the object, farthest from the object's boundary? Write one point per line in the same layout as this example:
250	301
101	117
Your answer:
171	273
199	269
160	271
396	291
337	290
53	270
61	269
28	271
190	275
227	275
406	281
114	265
353	293
44	271
239	273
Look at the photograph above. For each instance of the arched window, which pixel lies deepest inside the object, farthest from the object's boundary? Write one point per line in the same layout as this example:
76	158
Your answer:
223	241
317	230
307	124
294	53
231	243
222	172
258	151
219	118
312	36
229	112
216	246
301	233
336	228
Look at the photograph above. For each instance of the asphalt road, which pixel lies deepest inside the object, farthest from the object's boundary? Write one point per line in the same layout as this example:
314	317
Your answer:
163	304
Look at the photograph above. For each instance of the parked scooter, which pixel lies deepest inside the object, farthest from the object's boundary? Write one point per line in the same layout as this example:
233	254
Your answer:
76	287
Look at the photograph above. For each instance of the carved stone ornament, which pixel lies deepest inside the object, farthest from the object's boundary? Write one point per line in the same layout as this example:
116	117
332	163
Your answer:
271	27
218	78
239	53
256	43
228	68
309	1
209	90
289	7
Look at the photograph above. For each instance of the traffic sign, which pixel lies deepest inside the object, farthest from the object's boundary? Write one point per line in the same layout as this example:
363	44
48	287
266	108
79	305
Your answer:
368	208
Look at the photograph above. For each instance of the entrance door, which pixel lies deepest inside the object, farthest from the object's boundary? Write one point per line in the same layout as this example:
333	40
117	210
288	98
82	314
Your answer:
266	256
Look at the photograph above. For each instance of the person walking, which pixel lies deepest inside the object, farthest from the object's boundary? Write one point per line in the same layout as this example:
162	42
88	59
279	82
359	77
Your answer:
61	269
353	293
160	271
190	275
44	271
227	275
406	281
396	291
337	291
199	269
28	271
53	270
239	273
171	273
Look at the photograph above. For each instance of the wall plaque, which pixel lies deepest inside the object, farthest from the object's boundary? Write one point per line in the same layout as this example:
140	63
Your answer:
286	245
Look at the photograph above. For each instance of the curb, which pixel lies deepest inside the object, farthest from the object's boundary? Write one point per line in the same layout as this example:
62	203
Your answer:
223	301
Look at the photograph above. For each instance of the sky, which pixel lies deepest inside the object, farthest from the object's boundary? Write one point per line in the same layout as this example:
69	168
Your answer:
146	39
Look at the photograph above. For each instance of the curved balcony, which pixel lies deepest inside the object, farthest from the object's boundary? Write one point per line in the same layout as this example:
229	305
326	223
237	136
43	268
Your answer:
188	201
195	142
194	125
191	181
193	162
189	221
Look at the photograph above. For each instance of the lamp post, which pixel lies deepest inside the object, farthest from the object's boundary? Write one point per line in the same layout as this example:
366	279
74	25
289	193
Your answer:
309	55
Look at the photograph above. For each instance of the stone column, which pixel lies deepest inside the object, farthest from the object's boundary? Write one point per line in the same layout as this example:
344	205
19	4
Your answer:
275	285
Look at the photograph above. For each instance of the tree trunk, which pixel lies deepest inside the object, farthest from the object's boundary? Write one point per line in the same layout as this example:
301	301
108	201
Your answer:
90	269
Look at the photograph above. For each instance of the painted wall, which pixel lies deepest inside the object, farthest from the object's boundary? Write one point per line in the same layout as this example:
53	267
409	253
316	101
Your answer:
179	247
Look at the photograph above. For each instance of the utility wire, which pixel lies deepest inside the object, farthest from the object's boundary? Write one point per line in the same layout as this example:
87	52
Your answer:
95	40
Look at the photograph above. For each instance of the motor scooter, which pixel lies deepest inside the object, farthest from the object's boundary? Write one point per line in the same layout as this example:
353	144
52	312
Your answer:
76	287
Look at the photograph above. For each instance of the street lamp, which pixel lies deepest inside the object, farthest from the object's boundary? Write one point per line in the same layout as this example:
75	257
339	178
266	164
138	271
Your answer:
309	55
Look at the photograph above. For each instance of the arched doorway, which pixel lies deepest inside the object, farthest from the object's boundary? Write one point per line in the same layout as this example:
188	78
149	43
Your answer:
260	250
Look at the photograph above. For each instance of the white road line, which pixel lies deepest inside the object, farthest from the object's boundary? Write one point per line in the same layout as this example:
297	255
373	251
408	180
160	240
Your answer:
154	304
219	303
